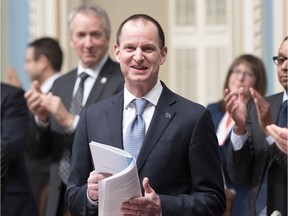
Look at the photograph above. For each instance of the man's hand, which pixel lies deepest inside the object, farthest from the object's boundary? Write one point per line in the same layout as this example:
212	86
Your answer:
280	135
236	107
55	106
149	205
12	77
263	111
34	97
92	184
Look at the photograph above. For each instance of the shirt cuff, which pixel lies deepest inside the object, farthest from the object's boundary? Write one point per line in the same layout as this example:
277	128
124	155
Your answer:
41	123
238	140
91	202
270	140
72	128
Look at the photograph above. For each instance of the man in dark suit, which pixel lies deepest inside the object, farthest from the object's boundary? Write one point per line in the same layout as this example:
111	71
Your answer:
17	197
178	163
52	132
254	158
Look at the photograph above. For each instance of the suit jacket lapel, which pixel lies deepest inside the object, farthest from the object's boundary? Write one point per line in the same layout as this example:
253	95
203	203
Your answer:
100	83
163	115
69	86
275	105
114	117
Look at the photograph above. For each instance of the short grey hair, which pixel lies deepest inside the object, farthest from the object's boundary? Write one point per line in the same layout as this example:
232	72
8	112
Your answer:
94	10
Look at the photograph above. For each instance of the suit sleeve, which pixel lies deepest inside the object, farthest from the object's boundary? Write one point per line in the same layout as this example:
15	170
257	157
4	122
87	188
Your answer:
240	164
81	166
207	190
39	140
14	117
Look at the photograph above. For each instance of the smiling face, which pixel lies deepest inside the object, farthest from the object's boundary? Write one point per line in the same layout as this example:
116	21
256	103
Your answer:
140	55
88	38
282	69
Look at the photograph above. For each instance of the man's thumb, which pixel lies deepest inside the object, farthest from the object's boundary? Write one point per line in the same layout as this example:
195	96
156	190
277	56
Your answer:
148	189
36	86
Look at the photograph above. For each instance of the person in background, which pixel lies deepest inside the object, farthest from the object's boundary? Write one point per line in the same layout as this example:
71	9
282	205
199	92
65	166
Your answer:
254	157
57	113
245	71
172	163
43	63
17	199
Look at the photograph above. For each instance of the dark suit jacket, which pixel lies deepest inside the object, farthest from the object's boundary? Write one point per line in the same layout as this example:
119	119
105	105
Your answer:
17	199
179	155
4	170
54	139
248	165
217	113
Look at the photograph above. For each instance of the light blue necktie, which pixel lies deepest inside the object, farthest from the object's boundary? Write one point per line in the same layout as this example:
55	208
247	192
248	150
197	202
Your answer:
136	130
75	108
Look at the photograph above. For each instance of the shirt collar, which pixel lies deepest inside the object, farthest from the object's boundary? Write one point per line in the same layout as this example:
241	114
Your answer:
93	71
285	96
47	84
152	96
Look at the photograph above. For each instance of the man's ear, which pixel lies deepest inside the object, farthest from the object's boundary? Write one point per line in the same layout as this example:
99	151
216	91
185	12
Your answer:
164	51
117	52
43	61
71	42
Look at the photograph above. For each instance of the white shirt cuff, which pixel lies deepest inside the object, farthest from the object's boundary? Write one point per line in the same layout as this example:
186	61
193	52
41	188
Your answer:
41	123
238	140
270	140
72	128
93	203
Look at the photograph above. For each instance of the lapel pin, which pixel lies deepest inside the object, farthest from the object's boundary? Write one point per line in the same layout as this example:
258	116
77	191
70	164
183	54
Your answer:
167	115
103	80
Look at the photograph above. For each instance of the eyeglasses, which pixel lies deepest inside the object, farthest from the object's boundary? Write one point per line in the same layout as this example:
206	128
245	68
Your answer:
249	74
279	60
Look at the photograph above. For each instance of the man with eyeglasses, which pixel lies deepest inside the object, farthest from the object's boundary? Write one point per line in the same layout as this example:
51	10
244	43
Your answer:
257	154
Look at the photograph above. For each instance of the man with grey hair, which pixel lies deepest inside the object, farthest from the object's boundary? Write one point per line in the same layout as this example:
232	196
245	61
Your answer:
56	114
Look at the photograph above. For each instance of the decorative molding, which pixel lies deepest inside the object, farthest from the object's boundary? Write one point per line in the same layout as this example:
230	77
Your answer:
43	18
258	27
33	18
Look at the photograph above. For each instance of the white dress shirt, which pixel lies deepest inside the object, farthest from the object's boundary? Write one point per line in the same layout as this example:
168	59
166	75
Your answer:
129	109
88	85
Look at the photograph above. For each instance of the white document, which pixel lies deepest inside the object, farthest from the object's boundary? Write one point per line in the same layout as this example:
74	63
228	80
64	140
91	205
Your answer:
124	182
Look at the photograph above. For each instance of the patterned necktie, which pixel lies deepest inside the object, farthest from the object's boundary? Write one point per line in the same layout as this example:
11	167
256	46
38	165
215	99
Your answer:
75	108
136	129
76	104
